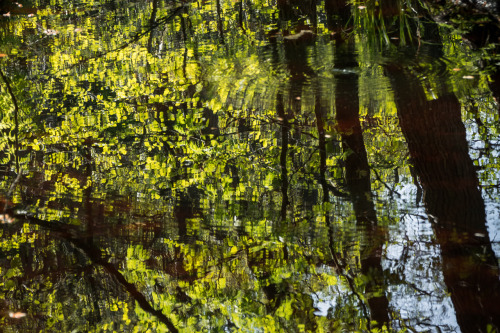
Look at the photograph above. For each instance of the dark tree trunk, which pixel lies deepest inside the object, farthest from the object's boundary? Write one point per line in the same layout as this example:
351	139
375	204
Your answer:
438	148
280	109
357	175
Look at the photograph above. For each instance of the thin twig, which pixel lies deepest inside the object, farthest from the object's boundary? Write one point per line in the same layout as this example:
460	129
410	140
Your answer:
384	183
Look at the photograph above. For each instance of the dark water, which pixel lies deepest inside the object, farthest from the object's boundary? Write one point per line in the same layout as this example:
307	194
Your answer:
249	166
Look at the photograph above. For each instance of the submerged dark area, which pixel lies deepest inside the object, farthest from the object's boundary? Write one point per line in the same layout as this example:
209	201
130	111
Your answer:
254	166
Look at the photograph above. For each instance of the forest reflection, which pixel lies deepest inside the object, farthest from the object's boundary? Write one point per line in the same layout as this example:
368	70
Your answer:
323	166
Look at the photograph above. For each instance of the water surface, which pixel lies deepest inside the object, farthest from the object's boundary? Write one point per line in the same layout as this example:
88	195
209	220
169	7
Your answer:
248	166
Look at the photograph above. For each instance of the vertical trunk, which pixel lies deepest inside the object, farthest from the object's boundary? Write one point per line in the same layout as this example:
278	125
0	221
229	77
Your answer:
87	194
283	121
184	40
357	174
357	170
152	21
320	124
437	143
220	24
240	16
280	109
296	60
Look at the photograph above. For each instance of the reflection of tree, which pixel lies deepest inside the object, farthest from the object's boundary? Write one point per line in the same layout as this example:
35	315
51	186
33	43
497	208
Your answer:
95	255
220	24
299	71
197	145
186	209
152	21
90	221
358	182
280	109
438	148
357	172
480	22
439	153
285	129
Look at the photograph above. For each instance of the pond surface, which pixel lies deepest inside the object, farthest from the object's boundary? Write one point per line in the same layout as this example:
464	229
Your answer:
251	166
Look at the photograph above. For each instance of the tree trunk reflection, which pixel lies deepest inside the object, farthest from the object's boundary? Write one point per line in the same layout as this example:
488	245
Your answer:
357	176
438	148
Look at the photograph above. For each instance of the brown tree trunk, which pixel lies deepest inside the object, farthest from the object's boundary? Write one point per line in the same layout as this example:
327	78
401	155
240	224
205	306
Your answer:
438	149
358	182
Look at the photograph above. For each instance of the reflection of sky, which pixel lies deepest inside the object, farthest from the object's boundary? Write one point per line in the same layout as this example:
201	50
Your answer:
324	301
487	176
412	255
421	297
493	223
